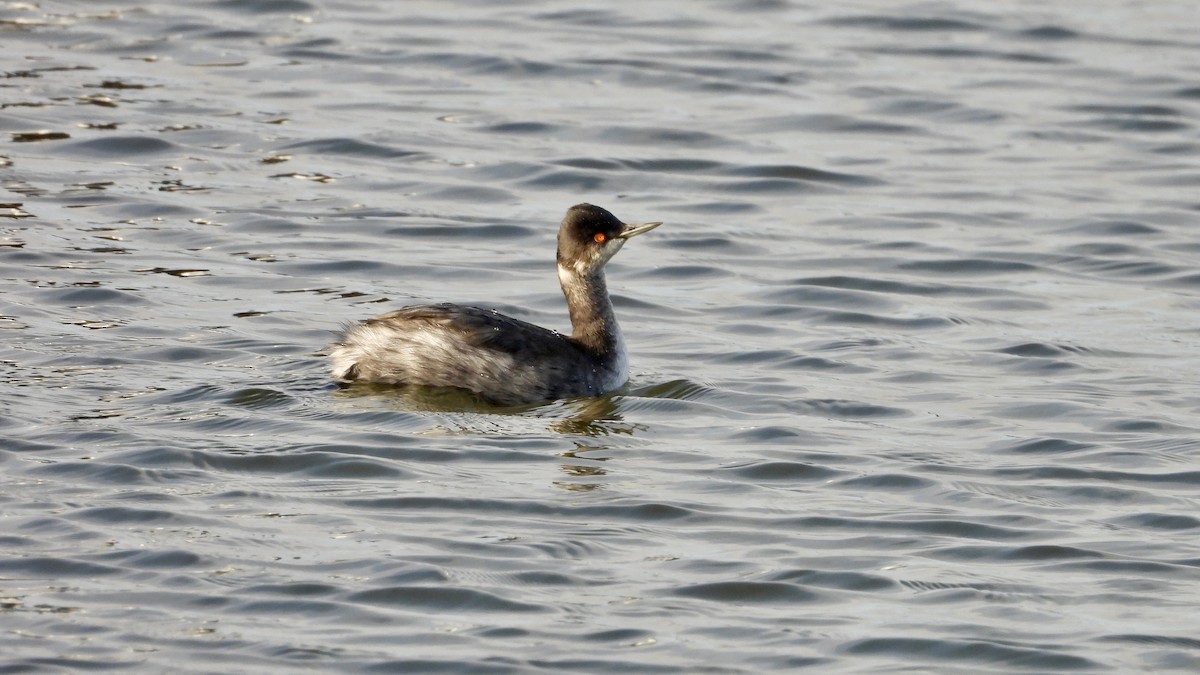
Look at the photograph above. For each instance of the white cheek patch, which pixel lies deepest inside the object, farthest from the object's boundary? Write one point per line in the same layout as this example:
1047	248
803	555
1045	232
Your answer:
601	255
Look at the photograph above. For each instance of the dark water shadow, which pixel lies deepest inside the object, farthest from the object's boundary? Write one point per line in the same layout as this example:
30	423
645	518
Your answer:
583	416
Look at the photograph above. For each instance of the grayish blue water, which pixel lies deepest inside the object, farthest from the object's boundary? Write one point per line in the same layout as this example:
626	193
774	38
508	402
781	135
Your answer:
915	357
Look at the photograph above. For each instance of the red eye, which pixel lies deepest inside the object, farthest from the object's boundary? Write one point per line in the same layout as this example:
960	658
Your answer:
600	237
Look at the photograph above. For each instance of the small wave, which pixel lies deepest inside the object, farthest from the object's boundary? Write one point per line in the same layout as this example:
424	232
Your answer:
350	147
967	652
744	592
434	598
905	23
122	147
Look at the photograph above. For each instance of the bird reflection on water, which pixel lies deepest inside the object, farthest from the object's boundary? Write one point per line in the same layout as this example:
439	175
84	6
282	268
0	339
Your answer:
470	413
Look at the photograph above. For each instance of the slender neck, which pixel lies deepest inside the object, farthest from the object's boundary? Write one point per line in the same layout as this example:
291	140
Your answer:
593	324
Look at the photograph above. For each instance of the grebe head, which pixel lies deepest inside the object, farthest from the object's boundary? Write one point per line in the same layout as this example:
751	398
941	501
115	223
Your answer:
590	236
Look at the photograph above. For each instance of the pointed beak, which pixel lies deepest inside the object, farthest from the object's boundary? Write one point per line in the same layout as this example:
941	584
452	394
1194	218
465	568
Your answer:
635	230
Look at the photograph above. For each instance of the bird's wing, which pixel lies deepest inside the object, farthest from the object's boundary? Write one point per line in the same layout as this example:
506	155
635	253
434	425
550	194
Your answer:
478	327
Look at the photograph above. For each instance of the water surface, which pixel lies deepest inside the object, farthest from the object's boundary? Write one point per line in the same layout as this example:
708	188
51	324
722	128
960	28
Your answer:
914	357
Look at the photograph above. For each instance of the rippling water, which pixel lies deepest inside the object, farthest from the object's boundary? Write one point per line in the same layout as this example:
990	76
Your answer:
915	356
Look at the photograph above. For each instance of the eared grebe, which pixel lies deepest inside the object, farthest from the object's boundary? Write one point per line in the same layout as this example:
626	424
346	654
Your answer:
505	360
